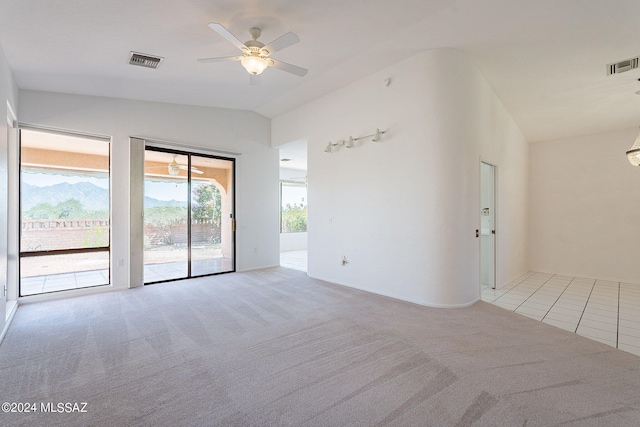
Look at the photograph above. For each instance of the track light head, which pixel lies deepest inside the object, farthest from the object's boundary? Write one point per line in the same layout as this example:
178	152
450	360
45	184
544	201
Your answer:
351	142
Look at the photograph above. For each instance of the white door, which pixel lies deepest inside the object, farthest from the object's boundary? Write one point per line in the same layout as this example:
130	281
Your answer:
487	226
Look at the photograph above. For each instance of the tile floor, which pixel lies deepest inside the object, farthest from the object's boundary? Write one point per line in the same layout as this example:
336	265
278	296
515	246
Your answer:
294	259
604	311
62	282
178	270
152	273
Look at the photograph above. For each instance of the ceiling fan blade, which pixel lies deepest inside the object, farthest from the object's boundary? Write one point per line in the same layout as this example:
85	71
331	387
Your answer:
220	59
254	80
281	42
293	69
220	29
193	169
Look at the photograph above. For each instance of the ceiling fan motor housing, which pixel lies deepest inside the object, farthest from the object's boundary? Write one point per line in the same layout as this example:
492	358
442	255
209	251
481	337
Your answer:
255	33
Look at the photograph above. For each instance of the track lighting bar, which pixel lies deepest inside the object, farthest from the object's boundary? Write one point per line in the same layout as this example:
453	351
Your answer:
349	143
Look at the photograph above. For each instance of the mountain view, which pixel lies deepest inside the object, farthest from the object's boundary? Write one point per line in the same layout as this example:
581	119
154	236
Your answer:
89	195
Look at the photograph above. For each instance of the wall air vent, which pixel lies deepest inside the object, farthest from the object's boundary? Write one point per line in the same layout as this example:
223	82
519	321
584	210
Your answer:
622	66
144	60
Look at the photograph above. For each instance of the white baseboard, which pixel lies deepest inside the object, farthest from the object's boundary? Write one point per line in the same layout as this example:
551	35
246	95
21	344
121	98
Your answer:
13	307
244	270
397	297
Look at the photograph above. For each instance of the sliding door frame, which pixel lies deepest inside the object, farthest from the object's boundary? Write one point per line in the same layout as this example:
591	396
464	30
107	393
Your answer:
182	151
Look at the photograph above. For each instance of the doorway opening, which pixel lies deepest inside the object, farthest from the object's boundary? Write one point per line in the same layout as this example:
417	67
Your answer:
487	226
293	205
189	220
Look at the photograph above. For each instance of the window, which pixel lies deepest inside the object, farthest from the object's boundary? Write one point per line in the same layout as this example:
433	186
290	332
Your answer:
64	211
293	207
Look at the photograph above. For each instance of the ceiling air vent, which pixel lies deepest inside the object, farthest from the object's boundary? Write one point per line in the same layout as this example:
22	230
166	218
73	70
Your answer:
622	66
145	60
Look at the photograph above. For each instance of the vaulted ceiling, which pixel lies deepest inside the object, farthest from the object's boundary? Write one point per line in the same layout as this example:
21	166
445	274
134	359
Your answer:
546	59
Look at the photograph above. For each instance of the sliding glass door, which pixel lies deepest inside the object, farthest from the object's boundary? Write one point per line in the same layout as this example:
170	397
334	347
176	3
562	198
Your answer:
212	223
189	215
166	196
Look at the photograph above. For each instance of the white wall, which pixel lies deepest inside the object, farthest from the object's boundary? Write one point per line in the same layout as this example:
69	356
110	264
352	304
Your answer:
286	173
293	241
404	211
232	130
585	207
8	94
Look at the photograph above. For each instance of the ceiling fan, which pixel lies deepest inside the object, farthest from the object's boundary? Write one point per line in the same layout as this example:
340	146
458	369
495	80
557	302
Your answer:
175	168
255	54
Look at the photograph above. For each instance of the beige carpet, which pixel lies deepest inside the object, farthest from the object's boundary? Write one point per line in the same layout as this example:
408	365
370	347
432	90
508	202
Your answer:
275	348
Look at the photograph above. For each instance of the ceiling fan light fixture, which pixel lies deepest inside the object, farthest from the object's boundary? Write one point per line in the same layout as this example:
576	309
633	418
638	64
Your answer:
633	154
173	167
254	64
